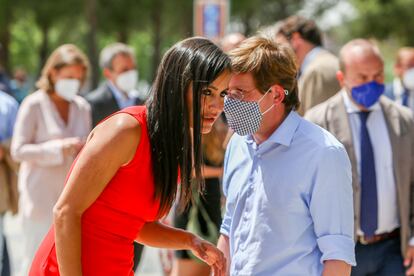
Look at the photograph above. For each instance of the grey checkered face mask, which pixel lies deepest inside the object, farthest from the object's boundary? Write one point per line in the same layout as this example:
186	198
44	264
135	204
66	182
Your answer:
244	117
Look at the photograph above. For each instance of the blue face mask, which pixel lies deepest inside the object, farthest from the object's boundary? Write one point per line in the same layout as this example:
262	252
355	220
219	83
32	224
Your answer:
368	93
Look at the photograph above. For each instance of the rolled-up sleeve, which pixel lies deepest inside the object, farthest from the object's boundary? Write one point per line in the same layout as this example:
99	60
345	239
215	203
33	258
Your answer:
331	206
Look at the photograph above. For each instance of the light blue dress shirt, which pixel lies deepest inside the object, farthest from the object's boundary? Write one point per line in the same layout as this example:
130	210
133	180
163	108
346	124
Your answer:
122	99
8	113
289	201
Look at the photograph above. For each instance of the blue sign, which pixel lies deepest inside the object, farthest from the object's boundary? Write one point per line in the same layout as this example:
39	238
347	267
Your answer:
211	20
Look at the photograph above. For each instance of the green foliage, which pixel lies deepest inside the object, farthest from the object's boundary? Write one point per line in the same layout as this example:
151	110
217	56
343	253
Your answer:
385	19
253	14
150	26
26	36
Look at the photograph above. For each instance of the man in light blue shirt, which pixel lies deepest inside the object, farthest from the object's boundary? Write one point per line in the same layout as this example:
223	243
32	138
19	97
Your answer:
289	207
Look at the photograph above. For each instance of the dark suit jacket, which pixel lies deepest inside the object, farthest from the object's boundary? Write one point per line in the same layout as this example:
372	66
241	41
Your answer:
103	103
332	116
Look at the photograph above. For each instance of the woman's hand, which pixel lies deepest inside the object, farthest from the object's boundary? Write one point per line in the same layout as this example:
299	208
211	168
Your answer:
210	254
71	146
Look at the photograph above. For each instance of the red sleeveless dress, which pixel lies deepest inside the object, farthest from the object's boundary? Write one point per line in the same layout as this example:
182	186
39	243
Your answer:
113	221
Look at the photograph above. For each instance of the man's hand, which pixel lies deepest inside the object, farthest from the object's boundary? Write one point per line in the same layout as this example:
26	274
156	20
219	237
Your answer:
336	268
409	261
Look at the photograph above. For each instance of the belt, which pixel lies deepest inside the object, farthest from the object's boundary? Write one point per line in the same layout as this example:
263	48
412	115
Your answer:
365	240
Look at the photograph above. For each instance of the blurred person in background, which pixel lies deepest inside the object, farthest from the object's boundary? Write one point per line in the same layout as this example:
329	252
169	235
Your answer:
317	66
231	41
119	67
51	128
4	81
19	85
402	88
378	135
204	214
8	172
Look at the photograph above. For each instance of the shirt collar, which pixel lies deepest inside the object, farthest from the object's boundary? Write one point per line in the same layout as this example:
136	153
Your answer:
117	94
309	57
283	135
399	89
351	107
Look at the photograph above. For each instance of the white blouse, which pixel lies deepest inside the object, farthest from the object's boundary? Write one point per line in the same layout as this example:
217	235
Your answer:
37	144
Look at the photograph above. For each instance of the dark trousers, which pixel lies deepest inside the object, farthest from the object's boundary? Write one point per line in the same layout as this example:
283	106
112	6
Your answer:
138	248
5	261
379	259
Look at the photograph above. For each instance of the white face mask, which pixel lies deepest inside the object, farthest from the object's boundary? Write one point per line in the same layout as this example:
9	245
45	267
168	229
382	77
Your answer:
67	88
127	81
408	79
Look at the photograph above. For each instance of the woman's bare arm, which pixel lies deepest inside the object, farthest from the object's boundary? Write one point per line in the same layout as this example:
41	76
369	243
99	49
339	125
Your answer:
157	234
110	145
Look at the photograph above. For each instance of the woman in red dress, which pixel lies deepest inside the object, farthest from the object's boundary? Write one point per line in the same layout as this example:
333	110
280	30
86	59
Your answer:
125	178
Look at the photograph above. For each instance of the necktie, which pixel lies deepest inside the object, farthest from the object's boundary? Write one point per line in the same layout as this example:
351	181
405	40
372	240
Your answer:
369	202
405	97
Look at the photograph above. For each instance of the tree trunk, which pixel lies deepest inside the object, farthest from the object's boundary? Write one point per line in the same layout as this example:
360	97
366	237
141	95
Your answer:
90	10
156	24
5	38
123	35
44	47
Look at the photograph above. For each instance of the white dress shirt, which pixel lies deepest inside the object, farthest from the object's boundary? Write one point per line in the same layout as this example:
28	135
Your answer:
388	218
399	91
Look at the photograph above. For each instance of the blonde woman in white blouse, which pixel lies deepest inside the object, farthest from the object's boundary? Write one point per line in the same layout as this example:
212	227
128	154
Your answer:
51	128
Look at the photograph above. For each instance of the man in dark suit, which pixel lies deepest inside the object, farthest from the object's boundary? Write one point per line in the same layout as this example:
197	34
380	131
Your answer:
117	92
401	89
378	135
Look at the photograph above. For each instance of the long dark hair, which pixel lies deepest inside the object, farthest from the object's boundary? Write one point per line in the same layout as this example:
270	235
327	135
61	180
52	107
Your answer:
197	62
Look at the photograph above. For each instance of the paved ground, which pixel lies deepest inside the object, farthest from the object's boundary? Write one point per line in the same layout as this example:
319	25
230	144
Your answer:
150	265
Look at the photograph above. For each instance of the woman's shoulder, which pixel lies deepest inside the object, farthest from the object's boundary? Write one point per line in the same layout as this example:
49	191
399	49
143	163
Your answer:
121	123
139	112
33	99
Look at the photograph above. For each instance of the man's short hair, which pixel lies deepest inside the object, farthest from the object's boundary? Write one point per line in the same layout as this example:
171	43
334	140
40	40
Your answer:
365	45
270	63
307	29
111	51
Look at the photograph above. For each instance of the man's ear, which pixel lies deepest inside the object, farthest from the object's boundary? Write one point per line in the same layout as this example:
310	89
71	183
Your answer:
340	77
278	94
107	73
296	40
